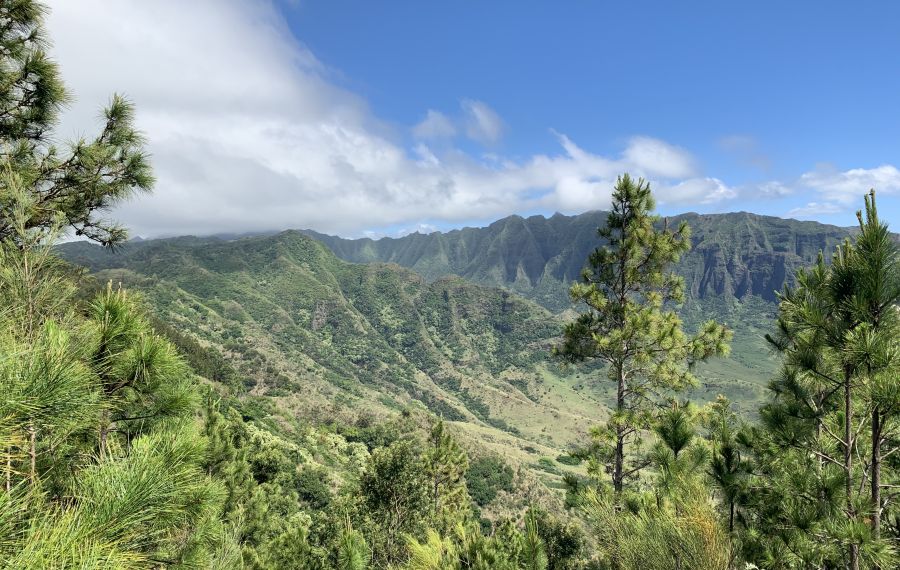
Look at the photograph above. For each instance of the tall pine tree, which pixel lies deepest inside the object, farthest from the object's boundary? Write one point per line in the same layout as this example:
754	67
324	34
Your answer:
875	346
630	324
838	330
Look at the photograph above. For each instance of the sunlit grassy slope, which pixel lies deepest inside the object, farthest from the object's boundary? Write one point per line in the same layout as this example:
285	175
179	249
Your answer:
318	337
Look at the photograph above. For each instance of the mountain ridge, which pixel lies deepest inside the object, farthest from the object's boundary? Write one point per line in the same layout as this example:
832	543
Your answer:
317	335
733	254
538	256
304	298
737	263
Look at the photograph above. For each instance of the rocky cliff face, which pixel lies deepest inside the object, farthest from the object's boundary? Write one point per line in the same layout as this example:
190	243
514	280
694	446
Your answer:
294	317
736	255
733	255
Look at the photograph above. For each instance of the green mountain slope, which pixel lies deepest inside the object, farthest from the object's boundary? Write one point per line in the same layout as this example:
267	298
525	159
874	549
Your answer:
737	263
319	336
734	256
296	318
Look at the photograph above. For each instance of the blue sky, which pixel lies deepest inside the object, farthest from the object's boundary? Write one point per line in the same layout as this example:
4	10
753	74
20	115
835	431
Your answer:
386	117
756	90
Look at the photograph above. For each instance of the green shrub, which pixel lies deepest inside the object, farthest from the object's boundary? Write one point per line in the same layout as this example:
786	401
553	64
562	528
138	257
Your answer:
486	477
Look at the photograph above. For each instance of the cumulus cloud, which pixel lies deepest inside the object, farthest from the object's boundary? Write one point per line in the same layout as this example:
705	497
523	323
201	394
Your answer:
435	125
248	131
659	158
476	120
838	191
846	187
774	189
697	191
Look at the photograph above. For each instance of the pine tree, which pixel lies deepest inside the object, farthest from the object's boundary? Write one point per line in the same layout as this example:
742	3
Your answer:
837	330
435	553
353	553
148	499
72	186
445	467
728	468
651	537
678	456
46	388
534	553
226	458
875	343
397	496
631	324
141	377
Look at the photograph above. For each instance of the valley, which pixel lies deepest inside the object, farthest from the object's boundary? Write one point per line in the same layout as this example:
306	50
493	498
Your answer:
459	324
204	367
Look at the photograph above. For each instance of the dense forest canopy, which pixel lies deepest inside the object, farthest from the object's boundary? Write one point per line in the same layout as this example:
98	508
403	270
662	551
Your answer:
128	440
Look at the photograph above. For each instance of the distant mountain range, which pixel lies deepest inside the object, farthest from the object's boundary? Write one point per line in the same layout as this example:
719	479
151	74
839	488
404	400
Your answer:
459	322
734	256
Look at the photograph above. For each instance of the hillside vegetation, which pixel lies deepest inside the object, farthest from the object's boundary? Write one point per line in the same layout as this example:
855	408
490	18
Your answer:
259	403
294	320
735	266
324	337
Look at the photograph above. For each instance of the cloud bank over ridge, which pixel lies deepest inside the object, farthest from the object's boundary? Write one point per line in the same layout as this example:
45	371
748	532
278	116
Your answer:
249	130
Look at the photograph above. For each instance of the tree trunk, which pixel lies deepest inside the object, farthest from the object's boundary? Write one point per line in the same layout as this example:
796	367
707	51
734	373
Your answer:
731	515
848	462
876	474
622	299
618	468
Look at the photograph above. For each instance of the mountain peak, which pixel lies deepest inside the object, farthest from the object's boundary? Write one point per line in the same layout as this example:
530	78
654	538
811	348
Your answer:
734	255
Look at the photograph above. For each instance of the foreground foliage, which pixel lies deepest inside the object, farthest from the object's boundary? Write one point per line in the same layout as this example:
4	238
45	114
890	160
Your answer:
117	455
128	443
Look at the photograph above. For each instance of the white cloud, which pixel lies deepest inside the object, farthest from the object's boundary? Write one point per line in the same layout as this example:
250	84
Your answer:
847	187
435	125
774	189
483	124
248	132
696	191
420	228
815	209
837	191
659	158
426	156
573	194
